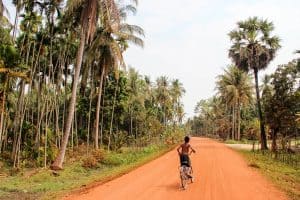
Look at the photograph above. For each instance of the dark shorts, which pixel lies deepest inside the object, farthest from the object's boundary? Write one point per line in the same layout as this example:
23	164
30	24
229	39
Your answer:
185	160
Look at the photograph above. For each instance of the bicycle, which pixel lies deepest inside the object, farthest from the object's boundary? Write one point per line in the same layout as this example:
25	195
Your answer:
186	173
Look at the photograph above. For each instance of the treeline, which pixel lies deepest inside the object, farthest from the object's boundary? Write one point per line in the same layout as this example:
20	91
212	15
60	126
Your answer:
243	108
64	83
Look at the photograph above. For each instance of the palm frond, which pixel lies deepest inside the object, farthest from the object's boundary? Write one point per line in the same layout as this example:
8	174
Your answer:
132	29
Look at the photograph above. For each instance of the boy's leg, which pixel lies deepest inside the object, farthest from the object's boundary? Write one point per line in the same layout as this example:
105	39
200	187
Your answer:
191	170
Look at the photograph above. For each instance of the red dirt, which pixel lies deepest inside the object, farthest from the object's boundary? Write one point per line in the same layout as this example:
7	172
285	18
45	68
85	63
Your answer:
220	174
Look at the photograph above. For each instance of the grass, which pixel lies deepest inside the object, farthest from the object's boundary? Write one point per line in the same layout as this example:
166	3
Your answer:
285	176
243	141
45	185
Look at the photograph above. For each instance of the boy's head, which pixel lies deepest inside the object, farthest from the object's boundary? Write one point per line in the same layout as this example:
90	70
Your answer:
186	139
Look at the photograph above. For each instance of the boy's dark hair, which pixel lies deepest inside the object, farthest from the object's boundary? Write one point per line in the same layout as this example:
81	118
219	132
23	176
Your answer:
186	139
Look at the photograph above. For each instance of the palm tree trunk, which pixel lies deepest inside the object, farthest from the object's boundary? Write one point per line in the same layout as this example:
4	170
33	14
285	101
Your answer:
3	110
89	118
131	121
102	115
274	138
58	163
239	120
16	23
46	136
112	116
17	119
233	120
263	136
98	109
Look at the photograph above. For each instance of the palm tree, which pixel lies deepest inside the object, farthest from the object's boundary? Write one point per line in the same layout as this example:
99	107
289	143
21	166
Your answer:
253	49
177	91
89	13
8	74
163	96
109	45
235	89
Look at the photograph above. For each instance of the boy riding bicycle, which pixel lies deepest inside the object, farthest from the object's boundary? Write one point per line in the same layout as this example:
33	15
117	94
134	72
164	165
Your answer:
185	152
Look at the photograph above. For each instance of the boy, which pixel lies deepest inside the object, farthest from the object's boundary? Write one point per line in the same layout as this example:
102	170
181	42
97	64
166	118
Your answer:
185	151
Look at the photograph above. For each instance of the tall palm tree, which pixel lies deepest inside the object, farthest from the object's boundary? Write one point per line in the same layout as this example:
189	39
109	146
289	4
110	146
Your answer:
89	14
163	96
109	45
254	48
8	74
235	88
177	90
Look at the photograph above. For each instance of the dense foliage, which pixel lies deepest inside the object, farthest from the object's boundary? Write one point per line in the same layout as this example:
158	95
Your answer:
64	83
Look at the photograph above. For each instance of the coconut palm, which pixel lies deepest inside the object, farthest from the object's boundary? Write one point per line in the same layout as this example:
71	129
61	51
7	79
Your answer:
235	88
89	13
254	48
177	90
109	44
8	74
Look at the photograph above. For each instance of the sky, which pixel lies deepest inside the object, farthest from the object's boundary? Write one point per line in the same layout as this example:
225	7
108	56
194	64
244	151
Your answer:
187	39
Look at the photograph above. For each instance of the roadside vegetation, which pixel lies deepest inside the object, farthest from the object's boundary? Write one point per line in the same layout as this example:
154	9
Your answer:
284	172
67	96
100	166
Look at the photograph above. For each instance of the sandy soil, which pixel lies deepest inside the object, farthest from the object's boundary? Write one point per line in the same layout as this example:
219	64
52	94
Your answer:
220	174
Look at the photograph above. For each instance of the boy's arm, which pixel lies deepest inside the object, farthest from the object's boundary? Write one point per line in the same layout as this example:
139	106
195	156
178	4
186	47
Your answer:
179	149
193	150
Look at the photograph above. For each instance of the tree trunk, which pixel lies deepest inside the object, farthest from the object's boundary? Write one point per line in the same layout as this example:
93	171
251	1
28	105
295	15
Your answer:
3	108
263	136
233	120
274	138
102	115
84	79
239	121
96	128
112	116
89	119
131	120
46	136
17	119
58	163
15	24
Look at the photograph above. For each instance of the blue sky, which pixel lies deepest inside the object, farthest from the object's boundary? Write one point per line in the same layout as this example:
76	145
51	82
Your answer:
187	39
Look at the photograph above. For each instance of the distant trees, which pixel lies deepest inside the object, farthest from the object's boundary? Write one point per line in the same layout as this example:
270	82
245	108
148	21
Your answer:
280	105
236	91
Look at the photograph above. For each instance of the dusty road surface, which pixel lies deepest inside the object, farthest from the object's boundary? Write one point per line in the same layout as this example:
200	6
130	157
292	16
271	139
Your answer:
220	174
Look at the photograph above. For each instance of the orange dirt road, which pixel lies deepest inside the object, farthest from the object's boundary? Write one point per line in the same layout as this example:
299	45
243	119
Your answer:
220	174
